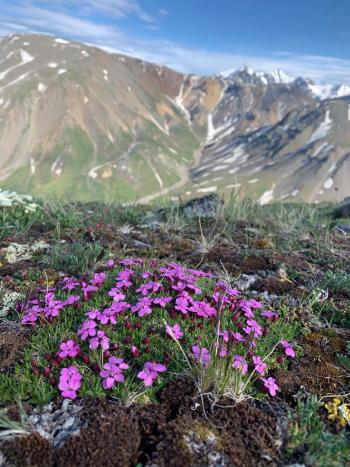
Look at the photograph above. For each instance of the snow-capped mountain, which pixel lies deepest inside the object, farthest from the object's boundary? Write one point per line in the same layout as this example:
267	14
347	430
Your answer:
79	123
321	91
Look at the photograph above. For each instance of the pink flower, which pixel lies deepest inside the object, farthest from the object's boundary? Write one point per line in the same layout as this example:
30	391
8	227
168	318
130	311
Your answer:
142	307
69	349
240	364
182	303
135	351
269	314
238	337
101	340
162	301
117	295
150	372
253	328
113	372
288	349
99	278
270	385
149	287
260	366
69	382
70	283
110	263
202	309
201	355
174	331
87	329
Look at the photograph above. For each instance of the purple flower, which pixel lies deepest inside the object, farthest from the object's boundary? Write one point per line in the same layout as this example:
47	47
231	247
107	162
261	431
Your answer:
149	287
87	329
253	328
99	278
142	307
182	303
130	261
240	364
270	385
117	295
201	355
100	340
71	300
69	349
70	283
69	382
150	372
260	366
174	331
110	263
162	301
113	372
202	309
269	314
288	349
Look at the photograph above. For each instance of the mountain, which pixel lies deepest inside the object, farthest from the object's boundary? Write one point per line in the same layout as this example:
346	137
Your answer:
79	123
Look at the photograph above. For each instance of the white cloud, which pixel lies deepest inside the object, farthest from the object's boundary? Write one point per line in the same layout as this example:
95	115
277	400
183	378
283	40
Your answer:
35	16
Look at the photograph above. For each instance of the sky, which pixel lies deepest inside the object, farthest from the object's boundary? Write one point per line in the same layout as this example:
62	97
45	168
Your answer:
302	37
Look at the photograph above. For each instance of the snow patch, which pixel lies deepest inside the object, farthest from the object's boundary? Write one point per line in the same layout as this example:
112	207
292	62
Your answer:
41	88
58	40
61	71
266	197
32	166
207	189
328	183
323	129
179	100
52	65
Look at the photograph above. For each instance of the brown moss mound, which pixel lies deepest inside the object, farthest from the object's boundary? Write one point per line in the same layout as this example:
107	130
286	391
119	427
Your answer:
32	450
111	438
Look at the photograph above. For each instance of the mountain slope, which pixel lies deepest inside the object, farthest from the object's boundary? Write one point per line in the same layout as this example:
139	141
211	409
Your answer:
79	123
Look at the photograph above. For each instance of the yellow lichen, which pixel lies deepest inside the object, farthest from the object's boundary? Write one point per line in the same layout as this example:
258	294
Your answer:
338	411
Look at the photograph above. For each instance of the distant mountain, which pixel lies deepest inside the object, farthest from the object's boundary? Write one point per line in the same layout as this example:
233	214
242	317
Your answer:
79	123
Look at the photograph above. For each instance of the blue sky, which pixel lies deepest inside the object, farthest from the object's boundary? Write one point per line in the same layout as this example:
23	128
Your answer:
302	37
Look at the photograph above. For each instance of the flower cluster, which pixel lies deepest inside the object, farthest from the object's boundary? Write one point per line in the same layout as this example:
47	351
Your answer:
69	382
112	372
185	308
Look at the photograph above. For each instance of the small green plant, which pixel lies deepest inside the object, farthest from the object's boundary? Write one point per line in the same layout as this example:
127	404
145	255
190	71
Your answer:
308	434
75	258
10	428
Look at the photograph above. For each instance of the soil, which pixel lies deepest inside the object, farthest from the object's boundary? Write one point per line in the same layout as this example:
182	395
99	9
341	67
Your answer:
179	430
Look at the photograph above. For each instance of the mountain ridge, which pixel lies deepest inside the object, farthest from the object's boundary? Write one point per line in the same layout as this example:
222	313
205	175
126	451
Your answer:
77	122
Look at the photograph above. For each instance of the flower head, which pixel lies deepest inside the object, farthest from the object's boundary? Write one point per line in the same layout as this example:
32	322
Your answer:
68	349
174	331
270	385
150	372
69	382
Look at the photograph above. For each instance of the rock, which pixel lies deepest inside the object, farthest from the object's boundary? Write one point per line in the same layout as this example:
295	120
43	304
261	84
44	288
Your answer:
343	210
343	228
207	207
245	281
